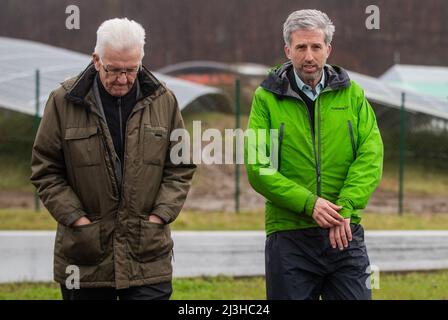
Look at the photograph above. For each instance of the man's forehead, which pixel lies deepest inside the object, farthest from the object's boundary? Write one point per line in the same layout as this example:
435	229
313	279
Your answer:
306	35
122	55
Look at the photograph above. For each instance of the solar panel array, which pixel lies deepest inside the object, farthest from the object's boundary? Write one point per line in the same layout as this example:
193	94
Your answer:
19	60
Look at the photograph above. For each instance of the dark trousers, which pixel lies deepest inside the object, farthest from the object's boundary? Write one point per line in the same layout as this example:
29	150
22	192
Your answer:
159	291
302	265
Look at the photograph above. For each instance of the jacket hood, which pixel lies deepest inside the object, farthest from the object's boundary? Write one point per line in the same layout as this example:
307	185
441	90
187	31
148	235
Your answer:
277	81
79	86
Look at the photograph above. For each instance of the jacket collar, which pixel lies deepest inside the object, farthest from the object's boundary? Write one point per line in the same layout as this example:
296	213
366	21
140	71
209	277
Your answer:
79	89
278	83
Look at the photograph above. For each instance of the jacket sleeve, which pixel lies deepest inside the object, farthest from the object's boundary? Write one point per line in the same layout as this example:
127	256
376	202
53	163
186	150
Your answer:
176	180
365	172
270	183
48	171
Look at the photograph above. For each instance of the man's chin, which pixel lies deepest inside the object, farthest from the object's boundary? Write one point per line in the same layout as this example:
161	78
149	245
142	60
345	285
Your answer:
310	77
119	92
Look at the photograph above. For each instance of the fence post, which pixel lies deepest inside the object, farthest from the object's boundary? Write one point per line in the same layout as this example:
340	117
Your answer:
237	124
36	126
402	152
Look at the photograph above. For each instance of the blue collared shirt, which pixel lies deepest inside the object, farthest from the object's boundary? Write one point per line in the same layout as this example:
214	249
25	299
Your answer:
306	89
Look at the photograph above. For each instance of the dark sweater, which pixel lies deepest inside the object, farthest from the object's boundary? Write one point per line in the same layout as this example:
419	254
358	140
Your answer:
116	108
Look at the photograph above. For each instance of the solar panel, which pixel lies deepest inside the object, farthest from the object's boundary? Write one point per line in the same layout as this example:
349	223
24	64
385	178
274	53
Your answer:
19	60
428	80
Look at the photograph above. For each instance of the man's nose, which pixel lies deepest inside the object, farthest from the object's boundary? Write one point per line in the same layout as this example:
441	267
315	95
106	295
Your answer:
309	55
122	79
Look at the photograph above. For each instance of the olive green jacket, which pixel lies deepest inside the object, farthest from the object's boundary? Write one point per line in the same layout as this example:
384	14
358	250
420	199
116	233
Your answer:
77	173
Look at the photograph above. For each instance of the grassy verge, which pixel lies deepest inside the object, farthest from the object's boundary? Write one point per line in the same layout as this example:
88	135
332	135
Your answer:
420	177
16	141
13	219
413	286
15	174
372	221
424	286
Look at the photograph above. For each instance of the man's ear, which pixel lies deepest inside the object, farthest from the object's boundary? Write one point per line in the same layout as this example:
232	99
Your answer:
287	51
96	61
329	50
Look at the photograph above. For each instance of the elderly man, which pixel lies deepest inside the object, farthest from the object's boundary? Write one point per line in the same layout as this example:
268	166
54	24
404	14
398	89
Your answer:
101	166
329	163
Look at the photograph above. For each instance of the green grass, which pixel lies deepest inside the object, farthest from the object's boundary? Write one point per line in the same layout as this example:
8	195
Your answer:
428	178
372	221
215	288
14	174
25	219
219	221
16	219
16	141
424	286
413	286
30	291
219	288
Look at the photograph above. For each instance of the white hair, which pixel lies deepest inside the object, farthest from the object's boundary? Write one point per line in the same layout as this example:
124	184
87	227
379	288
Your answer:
119	34
308	20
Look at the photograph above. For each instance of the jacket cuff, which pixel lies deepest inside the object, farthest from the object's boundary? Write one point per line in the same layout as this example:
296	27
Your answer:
72	217
163	214
346	211
309	205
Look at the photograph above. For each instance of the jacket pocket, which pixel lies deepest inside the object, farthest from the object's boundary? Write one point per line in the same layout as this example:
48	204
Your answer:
84	146
82	245
155	144
352	139
155	241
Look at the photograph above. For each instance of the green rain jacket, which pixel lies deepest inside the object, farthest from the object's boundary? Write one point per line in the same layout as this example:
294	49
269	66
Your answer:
341	161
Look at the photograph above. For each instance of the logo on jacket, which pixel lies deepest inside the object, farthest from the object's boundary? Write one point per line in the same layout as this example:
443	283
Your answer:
339	108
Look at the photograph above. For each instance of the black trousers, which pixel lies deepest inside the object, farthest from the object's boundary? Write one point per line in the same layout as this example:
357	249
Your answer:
159	291
302	265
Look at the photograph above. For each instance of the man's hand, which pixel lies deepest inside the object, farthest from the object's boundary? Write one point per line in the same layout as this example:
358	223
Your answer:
326	215
81	222
155	219
341	235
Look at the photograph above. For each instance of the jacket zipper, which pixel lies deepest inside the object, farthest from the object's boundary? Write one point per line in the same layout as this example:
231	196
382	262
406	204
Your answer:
109	154
120	168
120	117
282	126
318	149
124	153
316	154
352	139
314	150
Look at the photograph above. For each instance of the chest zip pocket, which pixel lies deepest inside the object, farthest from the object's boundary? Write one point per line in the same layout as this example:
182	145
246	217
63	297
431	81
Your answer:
352	139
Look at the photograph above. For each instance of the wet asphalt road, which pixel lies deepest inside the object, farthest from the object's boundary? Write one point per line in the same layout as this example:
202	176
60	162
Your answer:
27	255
